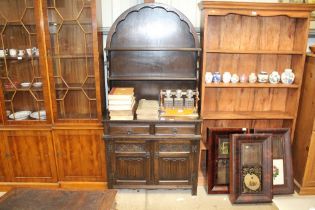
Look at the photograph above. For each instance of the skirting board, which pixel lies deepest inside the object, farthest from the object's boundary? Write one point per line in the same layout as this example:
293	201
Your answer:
303	190
6	186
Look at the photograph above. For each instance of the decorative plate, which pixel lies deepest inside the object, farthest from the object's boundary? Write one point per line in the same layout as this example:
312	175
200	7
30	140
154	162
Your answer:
25	84
21	115
37	84
41	114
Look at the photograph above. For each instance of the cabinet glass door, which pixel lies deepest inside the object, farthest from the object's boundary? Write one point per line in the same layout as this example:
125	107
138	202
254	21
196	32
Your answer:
20	72
71	35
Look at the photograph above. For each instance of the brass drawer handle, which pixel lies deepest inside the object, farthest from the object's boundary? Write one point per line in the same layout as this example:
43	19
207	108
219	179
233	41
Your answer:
129	132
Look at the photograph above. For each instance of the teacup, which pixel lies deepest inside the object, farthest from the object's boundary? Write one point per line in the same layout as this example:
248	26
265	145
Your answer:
29	51
12	52
35	51
3	53
21	53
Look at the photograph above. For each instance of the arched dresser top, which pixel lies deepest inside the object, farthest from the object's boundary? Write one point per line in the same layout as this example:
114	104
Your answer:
152	25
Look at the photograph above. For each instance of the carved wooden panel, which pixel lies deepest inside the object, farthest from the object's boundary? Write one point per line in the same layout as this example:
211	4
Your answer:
133	148
132	170
175	169
175	148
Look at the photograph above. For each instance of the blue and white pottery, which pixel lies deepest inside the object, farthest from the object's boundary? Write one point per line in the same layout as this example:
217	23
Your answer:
274	77
216	77
252	78
208	77
287	77
263	77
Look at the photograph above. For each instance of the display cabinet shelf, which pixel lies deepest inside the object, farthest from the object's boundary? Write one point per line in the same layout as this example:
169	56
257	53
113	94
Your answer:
20	58
154	49
251	85
250	115
153	78
71	56
243	51
22	89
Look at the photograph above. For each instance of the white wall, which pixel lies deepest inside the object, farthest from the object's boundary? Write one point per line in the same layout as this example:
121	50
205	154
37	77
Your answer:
111	9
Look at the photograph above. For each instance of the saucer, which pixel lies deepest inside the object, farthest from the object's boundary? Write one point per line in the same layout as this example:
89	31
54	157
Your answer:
21	115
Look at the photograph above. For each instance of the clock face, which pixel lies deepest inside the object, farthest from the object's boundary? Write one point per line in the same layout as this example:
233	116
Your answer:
251	176
252	182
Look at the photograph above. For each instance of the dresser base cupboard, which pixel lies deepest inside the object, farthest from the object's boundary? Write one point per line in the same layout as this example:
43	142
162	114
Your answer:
304	140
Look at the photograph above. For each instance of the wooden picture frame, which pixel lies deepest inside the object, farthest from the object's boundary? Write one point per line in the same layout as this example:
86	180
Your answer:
282	160
218	145
250	168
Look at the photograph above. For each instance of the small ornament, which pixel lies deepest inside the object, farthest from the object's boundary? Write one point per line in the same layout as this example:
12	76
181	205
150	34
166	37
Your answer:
226	78
216	77
252	78
274	77
235	78
287	77
208	77
263	77
243	78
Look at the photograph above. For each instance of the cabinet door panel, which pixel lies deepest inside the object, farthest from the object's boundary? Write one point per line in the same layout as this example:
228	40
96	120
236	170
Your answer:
80	155
3	161
131	162
173	162
31	156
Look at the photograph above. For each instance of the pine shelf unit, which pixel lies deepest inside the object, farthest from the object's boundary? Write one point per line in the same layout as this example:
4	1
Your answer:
251	37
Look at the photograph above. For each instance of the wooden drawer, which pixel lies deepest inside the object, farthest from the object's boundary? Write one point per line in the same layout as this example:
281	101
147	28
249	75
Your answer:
129	129
175	129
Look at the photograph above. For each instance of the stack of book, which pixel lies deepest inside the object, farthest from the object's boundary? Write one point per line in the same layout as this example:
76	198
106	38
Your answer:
121	102
148	110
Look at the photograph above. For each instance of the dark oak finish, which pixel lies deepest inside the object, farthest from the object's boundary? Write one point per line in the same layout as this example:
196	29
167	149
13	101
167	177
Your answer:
239	159
143	53
281	150
216	139
304	138
29	199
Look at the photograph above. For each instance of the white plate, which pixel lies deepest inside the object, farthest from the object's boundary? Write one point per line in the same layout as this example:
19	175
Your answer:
37	84
25	84
42	115
22	115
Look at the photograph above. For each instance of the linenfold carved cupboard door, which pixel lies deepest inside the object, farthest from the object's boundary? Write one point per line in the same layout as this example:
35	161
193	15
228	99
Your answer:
74	57
173	162
130	162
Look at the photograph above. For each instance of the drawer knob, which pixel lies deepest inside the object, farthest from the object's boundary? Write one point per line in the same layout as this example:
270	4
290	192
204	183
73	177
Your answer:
129	132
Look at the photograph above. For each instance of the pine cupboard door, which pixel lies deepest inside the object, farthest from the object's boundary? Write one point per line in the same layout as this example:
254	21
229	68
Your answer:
173	163
31	156
80	155
130	162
